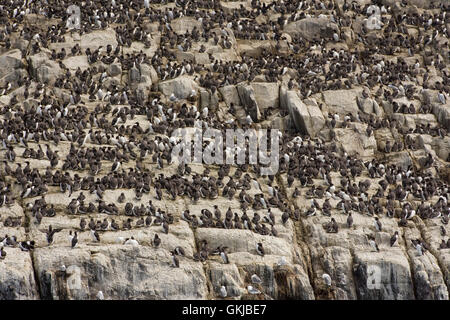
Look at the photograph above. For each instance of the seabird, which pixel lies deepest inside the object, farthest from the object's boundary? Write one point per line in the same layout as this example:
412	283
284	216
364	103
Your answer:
73	239
175	261
26	245
223	292
179	251
50	233
95	235
326	279
224	255
394	238
260	249
256	279
156	241
82	224
373	244
131	241
377	224
349	220
114	225
252	290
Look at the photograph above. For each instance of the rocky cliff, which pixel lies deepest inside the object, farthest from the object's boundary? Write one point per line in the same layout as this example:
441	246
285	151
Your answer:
85	128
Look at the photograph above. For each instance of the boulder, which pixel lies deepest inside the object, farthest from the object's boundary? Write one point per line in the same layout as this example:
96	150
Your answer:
266	94
442	113
230	95
75	62
17	276
248	100
185	24
44	69
229	6
114	69
99	38
441	146
226	275
21	44
182	87
149	73
355	141
201	58
381	276
134	75
401	159
369	105
312	28
342	101
308	119
120	272
9	61
254	48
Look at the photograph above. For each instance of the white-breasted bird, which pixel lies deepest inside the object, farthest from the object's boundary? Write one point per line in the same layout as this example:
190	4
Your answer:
256	279
326	279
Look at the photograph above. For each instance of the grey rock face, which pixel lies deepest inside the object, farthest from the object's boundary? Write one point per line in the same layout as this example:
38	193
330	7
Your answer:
9	61
312	28
17	280
181	87
120	272
44	69
88	131
342	101
248	100
386	278
307	118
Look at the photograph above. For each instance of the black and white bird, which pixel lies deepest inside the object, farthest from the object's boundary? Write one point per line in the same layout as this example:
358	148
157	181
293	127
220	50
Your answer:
26	245
373	244
256	279
441	97
50	233
179	251
73	239
260	249
394	239
224	255
156	241
115	166
311	211
349	220
175	261
95	235
377	224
